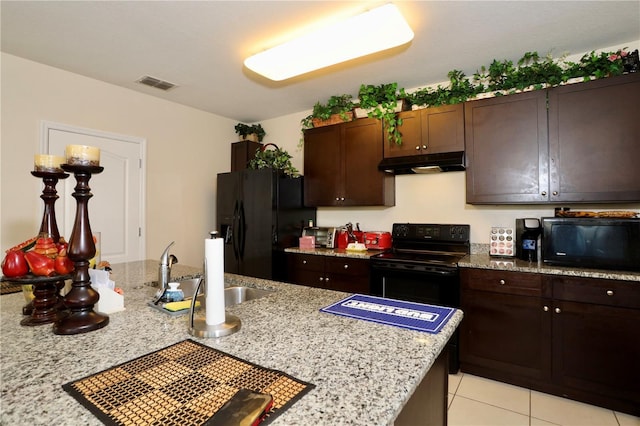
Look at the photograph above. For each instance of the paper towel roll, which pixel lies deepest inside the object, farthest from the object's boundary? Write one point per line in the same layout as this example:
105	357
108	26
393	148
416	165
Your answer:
214	280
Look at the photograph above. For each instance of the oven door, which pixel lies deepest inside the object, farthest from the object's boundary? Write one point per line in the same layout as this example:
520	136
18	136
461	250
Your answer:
422	284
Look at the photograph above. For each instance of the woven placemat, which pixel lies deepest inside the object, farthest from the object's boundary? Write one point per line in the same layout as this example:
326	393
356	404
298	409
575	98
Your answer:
8	287
183	384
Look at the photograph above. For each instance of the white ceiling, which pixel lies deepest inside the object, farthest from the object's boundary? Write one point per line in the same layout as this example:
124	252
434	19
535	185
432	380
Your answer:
201	45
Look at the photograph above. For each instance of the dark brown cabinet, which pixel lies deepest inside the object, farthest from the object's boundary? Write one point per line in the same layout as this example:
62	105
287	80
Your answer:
595	339
594	140
242	153
505	328
341	166
429	131
506	148
574	143
329	272
569	336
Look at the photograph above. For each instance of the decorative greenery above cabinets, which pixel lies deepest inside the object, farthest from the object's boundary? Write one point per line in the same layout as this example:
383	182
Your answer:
244	130
531	72
276	158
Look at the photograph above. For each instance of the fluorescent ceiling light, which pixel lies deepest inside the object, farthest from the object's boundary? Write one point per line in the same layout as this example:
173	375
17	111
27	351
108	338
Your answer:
372	31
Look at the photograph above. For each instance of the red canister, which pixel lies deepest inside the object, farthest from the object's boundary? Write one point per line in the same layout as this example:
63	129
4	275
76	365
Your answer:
379	240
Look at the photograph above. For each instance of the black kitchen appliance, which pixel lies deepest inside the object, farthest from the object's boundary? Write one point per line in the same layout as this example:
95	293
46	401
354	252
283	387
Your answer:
259	214
528	236
422	266
585	242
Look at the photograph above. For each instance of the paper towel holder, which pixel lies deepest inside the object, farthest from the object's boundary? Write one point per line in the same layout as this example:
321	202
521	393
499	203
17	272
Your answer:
198	327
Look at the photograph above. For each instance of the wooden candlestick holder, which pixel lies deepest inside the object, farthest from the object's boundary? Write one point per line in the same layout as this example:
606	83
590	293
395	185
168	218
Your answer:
47	304
81	298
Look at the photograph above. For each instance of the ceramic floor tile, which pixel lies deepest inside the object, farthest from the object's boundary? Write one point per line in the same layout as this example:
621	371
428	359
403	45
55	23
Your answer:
467	412
627	419
539	422
454	382
491	392
567	412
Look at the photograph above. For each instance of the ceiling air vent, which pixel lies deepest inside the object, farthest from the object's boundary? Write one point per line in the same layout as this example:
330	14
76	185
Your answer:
156	82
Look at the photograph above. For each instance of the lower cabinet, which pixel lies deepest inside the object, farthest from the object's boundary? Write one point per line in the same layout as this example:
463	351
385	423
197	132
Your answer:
568	336
329	272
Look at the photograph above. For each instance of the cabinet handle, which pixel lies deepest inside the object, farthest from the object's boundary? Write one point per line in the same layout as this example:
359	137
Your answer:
424	147
326	279
321	279
609	292
346	266
341	198
557	310
555	192
544	193
502	282
304	262
337	198
545	308
417	147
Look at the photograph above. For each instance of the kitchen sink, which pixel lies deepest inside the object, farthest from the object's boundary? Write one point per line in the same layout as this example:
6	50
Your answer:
238	294
232	295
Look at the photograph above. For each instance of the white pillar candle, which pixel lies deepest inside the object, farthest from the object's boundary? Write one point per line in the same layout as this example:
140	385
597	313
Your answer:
82	155
214	280
48	163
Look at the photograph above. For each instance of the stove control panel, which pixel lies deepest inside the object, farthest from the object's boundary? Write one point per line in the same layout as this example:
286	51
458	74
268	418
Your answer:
434	232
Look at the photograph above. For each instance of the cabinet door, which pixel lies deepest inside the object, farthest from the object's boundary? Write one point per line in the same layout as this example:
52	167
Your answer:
505	336
506	146
306	269
411	130
596	349
323	171
594	140
442	129
364	184
348	274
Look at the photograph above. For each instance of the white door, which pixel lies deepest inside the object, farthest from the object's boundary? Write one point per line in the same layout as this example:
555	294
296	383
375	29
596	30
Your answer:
116	209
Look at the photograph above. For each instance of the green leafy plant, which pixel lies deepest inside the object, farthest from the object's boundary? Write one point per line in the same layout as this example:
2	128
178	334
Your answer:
277	158
337	104
459	90
381	102
245	129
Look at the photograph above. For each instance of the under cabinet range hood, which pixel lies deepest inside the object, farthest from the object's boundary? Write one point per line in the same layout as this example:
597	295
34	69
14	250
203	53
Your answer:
424	163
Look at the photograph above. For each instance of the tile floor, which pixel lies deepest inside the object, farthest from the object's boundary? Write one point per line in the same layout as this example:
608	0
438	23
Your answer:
476	401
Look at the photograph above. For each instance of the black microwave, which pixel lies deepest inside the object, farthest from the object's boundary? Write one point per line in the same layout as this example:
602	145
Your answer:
591	242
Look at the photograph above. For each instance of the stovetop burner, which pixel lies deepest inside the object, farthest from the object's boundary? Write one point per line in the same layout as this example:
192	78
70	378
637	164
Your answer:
427	244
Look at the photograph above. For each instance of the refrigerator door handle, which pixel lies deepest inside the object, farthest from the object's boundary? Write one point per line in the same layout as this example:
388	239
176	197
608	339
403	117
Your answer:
234	231
242	228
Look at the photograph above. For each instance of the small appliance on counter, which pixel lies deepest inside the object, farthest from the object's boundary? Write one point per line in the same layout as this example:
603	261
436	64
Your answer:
528	236
325	237
503	241
377	240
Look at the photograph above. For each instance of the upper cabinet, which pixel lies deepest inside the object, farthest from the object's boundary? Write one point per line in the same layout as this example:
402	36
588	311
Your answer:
594	140
574	143
341	166
506	149
429	131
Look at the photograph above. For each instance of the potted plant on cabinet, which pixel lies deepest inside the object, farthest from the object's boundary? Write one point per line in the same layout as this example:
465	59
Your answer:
382	102
253	132
338	109
276	158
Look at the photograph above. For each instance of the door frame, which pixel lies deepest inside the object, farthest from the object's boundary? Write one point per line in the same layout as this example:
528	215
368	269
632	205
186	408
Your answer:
46	126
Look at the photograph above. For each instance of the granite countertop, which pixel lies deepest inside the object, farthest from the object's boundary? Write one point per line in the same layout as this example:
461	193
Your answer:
363	372
484	261
334	252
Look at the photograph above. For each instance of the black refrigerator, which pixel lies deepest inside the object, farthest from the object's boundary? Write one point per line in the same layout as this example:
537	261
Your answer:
259	214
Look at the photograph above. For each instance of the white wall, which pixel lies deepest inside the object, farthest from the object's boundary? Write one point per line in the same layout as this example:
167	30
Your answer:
186	148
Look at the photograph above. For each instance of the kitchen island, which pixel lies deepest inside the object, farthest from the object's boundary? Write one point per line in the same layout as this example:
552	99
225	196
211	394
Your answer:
364	373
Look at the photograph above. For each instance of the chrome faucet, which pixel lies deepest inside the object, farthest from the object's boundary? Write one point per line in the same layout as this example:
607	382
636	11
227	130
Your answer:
164	271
